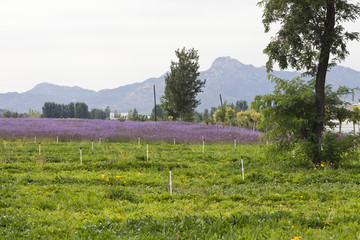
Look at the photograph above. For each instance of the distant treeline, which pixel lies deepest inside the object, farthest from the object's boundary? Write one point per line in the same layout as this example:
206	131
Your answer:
73	110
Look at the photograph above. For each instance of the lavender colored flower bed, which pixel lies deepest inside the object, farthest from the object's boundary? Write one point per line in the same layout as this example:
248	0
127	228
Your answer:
93	129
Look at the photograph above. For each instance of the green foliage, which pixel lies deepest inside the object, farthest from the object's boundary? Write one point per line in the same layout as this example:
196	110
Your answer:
311	37
133	114
336	146
182	85
71	110
249	119
96	113
341	113
355	116
290	114
220	114
300	39
159	113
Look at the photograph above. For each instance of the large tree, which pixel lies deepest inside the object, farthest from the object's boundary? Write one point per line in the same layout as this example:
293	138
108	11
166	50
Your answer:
182	85
311	38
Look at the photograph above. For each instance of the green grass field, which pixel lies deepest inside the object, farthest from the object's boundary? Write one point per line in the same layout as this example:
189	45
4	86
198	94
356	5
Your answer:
117	194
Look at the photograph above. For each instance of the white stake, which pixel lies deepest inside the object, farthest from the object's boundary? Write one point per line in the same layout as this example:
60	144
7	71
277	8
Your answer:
174	140
234	143
139	141
147	151
203	147
242	167
57	139
4	142
80	155
92	145
170	182
34	139
99	140
39	148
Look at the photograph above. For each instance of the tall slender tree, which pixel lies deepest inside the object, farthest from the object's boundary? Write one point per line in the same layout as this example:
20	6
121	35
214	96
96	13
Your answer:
311	38
182	85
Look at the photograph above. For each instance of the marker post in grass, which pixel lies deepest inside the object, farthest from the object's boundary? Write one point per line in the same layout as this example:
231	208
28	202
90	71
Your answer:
92	145
174	140
147	151
234	143
81	155
4	142
242	167
99	139
34	139
203	144
39	148
170	181
57	139
138	141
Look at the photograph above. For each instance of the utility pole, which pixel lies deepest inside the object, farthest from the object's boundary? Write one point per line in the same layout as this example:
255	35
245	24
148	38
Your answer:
221	100
154	102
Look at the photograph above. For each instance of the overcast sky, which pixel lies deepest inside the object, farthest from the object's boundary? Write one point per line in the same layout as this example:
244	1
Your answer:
99	44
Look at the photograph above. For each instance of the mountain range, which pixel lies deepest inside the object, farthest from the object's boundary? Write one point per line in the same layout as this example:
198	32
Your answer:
226	76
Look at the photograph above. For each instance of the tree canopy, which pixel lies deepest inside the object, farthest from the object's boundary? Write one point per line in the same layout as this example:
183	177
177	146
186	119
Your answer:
311	38
290	114
182	85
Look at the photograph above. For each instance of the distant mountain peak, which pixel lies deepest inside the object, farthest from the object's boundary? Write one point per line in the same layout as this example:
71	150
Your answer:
228	64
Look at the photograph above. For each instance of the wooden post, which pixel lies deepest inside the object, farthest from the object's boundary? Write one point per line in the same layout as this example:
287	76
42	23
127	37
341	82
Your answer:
154	102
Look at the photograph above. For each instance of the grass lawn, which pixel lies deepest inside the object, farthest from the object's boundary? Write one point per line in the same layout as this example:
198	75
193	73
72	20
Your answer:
117	194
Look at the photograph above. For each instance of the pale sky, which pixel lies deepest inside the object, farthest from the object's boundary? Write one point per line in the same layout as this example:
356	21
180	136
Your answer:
102	44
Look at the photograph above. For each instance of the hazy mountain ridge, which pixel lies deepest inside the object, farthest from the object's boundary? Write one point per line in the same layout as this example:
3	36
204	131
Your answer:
226	76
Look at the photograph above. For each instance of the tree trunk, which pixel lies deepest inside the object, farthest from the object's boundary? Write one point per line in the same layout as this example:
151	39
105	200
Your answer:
340	127
326	43
354	127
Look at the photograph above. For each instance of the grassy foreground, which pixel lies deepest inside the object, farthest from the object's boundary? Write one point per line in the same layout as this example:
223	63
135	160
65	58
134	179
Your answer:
117	194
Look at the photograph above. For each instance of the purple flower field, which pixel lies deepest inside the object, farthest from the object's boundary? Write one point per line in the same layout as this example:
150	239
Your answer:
112	130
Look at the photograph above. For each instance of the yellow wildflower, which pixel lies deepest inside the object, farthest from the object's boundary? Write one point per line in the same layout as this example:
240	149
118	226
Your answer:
107	179
102	175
